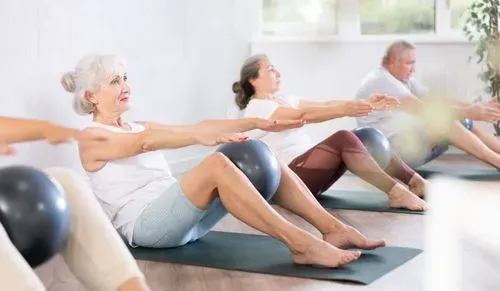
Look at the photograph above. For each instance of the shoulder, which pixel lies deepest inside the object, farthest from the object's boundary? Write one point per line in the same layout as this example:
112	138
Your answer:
260	108
382	82
292	100
375	77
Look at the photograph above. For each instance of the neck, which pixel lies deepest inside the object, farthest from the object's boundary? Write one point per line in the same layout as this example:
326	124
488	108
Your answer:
263	95
108	119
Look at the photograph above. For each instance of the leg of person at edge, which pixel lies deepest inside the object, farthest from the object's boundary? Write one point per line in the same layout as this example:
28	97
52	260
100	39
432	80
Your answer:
394	78
320	166
94	251
151	208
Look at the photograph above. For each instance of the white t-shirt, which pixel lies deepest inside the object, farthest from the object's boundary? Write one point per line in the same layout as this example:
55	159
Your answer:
380	81
126	186
287	145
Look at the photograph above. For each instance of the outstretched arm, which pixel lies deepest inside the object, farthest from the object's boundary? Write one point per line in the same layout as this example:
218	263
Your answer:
462	109
377	101
314	103
124	145
317	114
221	125
17	130
229	125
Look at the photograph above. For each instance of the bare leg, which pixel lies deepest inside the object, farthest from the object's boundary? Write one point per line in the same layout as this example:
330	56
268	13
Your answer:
218	176
323	164
294	195
400	170
487	138
467	141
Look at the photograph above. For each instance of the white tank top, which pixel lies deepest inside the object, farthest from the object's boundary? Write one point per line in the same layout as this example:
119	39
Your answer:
126	186
288	144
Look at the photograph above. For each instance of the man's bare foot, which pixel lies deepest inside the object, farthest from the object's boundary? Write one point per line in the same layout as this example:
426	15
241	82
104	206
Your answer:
402	198
418	185
314	251
347	237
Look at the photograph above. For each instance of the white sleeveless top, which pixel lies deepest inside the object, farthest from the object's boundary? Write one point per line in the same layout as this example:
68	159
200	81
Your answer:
126	186
288	144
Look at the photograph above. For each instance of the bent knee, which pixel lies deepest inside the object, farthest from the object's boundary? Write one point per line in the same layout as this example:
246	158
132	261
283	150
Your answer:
345	137
345	134
217	161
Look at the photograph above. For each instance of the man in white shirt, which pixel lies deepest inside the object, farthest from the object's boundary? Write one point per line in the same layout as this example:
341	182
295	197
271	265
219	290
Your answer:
395	78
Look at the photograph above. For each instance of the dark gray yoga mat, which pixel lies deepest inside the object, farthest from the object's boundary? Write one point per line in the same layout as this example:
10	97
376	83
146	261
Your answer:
266	255
360	200
469	172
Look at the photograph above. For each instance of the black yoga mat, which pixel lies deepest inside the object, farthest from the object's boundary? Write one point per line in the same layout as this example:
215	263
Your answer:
469	172
266	255
360	200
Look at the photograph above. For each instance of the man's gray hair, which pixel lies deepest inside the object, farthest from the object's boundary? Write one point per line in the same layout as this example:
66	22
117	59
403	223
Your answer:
396	49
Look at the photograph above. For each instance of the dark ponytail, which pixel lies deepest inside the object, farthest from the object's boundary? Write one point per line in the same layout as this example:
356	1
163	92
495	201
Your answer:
243	89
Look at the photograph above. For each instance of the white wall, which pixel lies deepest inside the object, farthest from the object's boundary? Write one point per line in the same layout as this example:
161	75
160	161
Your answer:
328	70
183	56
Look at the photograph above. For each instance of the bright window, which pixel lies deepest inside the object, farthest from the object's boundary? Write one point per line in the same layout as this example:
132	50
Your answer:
456	10
291	17
397	16
354	18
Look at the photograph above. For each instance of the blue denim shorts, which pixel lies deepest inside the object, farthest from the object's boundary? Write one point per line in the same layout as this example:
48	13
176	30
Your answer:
172	220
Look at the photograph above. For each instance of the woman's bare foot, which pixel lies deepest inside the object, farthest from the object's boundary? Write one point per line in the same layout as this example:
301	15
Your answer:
402	198
314	251
347	237
418	185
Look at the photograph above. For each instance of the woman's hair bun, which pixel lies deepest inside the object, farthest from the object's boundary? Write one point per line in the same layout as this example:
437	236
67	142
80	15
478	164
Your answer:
68	82
237	87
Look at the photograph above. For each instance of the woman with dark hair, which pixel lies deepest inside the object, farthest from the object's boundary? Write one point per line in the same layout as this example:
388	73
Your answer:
320	165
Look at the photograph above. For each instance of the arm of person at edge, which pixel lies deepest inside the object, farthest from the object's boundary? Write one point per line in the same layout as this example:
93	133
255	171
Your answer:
17	130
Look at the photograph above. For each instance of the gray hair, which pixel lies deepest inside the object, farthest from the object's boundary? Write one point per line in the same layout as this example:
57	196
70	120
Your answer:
396	49
90	71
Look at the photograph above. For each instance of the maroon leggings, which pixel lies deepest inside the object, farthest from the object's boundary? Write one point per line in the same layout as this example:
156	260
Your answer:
326	162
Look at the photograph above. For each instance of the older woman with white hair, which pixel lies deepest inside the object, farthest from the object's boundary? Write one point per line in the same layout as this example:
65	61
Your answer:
151	208
94	252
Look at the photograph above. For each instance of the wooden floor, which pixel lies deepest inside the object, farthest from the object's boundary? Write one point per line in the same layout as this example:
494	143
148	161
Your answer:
483	270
